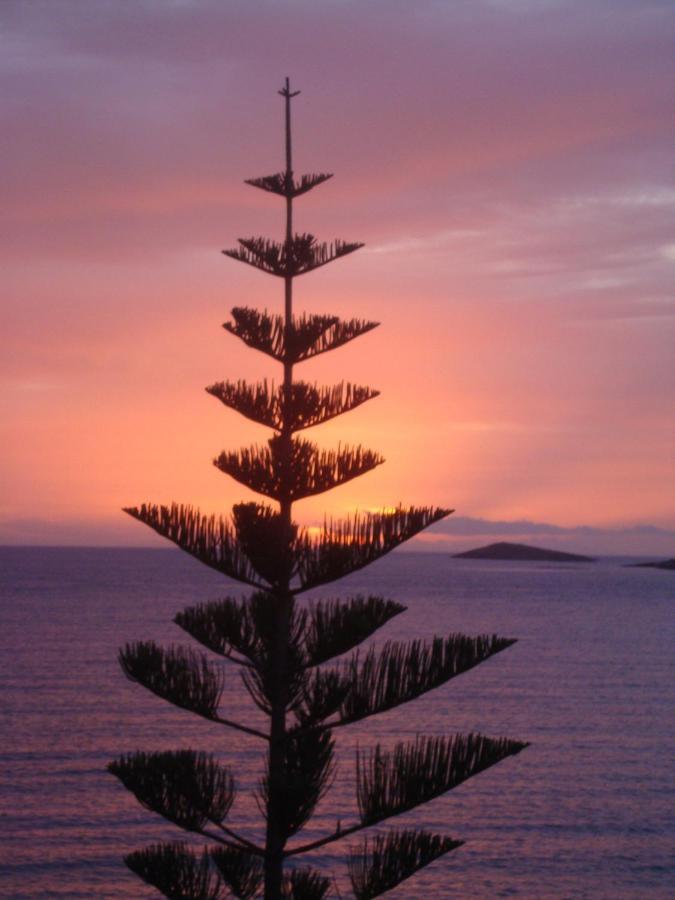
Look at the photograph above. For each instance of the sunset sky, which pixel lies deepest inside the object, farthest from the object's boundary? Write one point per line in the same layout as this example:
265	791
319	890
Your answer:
509	165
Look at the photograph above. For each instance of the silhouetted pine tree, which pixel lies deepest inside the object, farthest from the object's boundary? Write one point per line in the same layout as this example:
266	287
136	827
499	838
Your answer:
280	646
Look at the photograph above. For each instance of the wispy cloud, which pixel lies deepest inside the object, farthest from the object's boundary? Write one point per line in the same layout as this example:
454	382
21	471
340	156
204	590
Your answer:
432	243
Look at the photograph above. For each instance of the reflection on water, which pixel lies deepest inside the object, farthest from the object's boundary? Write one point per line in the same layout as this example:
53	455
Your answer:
585	812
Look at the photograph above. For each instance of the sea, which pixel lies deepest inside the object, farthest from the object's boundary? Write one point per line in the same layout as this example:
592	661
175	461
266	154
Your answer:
586	811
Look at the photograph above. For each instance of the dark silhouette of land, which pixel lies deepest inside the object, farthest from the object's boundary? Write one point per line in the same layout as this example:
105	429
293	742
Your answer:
506	550
662	564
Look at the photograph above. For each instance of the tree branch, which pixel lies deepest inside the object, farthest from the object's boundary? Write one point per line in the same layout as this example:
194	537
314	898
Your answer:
238	727
235	659
335	836
253	848
225	842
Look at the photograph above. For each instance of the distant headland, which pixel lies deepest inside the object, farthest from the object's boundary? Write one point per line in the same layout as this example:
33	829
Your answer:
507	551
663	564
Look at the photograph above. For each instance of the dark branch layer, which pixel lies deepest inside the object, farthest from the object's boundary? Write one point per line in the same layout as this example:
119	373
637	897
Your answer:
305	884
390	783
308	770
175	871
287	186
334	627
290	259
224	626
260	544
241	871
176	674
303	473
400	672
380	863
390	676
267	540
261	682
324	692
248	626
307	335
185	787
349	545
309	405
209	539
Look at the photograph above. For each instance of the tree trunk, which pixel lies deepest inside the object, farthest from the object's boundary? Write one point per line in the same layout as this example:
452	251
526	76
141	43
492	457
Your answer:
276	837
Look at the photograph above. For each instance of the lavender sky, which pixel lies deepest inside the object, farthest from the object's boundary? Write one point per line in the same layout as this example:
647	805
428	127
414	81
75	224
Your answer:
509	166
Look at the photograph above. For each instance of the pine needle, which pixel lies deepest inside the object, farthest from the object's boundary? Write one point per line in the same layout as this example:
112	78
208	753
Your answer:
390	783
308	471
334	626
209	539
384	861
258	543
292	258
175	871
306	335
177	674
268	543
305	884
307	774
400	672
242	871
184	786
346	546
323	694
309	404
228	625
280	183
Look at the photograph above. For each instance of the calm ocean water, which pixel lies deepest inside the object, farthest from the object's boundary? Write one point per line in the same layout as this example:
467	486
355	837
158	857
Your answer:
586	812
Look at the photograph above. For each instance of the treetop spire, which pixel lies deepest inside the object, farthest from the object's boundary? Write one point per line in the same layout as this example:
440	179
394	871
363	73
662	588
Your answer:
288	95
286	90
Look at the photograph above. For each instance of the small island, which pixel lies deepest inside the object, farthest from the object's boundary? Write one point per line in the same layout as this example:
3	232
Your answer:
663	564
506	551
